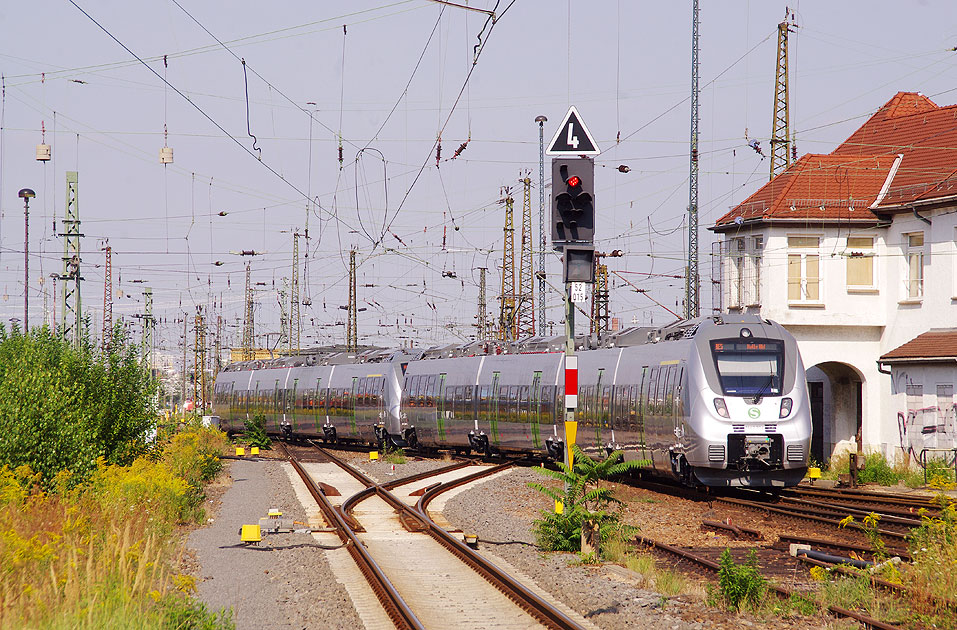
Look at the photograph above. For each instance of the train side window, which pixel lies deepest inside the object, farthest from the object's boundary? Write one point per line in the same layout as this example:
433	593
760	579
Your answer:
513	403
468	400
523	404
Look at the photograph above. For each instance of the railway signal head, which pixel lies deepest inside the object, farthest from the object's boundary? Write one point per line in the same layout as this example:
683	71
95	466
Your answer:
573	200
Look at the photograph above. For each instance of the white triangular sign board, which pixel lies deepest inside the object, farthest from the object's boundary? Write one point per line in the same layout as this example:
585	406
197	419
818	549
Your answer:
572	137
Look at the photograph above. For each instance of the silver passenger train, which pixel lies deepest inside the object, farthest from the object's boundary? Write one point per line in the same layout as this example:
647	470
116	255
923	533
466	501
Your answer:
718	401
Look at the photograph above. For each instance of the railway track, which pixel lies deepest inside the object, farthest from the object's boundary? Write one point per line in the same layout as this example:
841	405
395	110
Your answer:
701	563
422	575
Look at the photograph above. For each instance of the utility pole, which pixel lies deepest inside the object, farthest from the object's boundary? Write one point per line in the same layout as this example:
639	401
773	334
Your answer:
692	281
249	336
525	317
352	337
283	315
506	318
182	400
294	320
108	300
26	194
780	128
71	303
217	357
541	120
482	317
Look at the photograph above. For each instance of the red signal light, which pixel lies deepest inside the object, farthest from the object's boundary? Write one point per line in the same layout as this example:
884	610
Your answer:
574	181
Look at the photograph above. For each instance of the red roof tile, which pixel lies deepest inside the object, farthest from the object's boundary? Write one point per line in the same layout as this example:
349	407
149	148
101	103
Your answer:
932	345
825	186
819	187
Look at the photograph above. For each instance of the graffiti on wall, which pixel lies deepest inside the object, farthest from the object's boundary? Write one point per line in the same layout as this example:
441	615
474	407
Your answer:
926	427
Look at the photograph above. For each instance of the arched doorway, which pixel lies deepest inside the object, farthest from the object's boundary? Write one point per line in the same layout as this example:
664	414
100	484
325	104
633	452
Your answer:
836	393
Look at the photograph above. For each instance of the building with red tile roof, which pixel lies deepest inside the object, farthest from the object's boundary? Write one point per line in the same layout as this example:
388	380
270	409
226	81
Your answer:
855	252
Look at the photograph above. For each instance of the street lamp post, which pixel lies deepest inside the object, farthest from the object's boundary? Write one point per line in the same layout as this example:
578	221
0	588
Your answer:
26	194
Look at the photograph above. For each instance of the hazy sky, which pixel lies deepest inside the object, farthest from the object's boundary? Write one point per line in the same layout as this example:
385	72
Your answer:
390	85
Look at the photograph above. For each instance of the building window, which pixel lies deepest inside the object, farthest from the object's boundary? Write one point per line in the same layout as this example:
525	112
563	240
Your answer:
804	269
860	262
953	251
742	271
914	257
945	409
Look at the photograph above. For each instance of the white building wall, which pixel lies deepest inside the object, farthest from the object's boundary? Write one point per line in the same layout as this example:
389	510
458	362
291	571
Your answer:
854	326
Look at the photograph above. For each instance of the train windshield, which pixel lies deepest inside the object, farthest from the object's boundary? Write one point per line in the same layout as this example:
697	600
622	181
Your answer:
750	367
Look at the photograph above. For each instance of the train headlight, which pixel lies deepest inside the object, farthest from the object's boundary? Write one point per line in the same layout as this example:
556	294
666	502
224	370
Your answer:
785	407
721	408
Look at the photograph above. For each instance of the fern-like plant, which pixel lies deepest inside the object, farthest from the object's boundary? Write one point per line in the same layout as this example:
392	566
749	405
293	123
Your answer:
588	508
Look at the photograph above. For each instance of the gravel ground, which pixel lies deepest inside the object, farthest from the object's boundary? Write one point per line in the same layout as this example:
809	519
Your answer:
284	583
501	513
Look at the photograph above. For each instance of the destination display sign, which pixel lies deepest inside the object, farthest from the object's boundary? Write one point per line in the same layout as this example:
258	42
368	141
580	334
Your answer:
750	345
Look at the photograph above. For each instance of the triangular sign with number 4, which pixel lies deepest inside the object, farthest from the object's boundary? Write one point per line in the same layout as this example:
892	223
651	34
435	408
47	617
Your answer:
572	137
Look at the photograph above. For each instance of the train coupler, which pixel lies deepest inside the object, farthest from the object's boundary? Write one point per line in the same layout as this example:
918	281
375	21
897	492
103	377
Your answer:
478	442
555	449
410	437
329	434
285	429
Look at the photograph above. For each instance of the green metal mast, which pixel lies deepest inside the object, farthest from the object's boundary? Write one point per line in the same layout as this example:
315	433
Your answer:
71	278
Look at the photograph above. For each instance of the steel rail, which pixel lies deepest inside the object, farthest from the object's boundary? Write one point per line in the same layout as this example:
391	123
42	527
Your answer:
754	505
509	586
781	591
392	602
853	511
513	589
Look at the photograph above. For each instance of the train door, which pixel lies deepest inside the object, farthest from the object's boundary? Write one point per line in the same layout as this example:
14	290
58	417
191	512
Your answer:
524	409
440	408
597	410
379	399
351	406
318	406
640	413
535	415
496	408
293	406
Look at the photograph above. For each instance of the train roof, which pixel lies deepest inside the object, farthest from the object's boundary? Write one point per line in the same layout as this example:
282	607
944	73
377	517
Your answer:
627	337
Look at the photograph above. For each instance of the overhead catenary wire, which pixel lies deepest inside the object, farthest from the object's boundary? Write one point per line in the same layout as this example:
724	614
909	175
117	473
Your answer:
198	108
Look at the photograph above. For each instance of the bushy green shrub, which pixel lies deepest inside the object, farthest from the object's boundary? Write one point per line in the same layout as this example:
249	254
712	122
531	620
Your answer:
64	407
255	433
740	584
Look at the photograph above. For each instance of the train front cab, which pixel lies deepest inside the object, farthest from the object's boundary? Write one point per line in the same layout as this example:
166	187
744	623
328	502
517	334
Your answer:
749	424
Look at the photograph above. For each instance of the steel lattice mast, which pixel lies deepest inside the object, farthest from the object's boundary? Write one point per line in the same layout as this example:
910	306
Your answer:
352	332
780	127
295	325
506	317
525	318
482	316
148	325
107	300
199	361
692	282
249	328
71	278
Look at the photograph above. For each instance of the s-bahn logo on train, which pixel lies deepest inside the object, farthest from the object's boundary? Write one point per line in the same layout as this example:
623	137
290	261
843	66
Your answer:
754	413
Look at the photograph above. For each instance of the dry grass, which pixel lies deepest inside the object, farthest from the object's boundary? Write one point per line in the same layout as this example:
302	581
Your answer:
100	555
